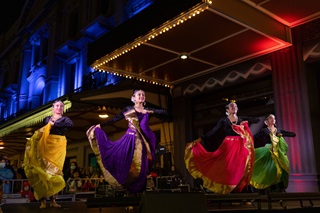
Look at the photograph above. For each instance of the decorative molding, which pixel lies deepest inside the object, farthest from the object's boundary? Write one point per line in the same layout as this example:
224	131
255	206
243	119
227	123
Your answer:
311	52
231	77
72	149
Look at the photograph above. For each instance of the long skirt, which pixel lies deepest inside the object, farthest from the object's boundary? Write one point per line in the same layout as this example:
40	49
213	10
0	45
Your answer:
43	162
271	166
124	162
227	169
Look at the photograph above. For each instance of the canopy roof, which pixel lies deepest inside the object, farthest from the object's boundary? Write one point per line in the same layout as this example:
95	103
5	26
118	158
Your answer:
212	34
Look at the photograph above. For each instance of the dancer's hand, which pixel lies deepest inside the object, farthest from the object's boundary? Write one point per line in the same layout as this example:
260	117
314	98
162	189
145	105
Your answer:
98	126
51	122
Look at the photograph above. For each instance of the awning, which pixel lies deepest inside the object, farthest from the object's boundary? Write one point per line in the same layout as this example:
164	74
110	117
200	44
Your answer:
212	34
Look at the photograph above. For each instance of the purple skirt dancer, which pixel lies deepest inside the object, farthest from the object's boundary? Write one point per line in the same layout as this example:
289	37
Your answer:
125	162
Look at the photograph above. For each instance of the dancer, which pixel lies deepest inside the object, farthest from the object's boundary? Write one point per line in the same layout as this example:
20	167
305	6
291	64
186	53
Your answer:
125	162
271	167
229	167
45	154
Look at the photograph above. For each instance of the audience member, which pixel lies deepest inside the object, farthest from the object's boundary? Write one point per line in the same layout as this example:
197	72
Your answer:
173	171
83	172
17	184
150	183
87	184
91	171
74	183
158	170
26	192
15	172
176	181
5	176
73	169
102	186
96	179
9	166
21	170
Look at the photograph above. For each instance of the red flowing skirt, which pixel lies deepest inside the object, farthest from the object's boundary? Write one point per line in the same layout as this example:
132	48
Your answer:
227	169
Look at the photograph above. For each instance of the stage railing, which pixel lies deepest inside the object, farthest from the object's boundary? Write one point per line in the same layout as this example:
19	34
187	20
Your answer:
11	190
12	186
302	197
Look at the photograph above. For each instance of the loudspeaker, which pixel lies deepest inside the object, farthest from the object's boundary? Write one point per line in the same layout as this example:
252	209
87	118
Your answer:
173	202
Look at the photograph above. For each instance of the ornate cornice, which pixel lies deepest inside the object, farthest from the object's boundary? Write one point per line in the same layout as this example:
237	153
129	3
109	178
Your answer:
231	77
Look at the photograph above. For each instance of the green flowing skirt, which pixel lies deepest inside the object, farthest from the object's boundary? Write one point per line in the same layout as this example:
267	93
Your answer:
271	166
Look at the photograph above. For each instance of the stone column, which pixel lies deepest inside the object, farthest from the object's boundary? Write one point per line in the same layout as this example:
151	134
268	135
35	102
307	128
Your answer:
293	114
23	74
182	131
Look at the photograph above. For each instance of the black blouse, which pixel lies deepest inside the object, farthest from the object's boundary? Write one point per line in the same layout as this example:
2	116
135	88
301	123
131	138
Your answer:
223	129
263	136
60	126
159	113
225	125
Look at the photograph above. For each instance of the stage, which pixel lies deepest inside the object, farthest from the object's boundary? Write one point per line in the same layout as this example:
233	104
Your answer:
180	202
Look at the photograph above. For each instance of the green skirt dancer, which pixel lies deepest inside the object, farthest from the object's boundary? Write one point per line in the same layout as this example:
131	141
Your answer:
271	167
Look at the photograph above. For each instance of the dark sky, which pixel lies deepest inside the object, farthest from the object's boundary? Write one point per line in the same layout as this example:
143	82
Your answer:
9	12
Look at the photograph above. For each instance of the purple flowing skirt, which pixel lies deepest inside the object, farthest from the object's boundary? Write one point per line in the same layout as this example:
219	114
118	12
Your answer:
126	160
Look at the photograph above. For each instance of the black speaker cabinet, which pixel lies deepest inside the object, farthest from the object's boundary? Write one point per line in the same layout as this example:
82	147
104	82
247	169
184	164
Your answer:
173	202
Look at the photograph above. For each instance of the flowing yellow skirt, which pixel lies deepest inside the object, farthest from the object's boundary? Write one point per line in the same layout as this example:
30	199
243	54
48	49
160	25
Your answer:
43	162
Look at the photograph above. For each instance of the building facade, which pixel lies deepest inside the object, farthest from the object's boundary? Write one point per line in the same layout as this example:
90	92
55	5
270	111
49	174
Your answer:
44	58
89	52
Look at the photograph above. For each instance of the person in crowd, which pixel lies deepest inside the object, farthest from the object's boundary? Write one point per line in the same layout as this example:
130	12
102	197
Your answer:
158	170
126	162
26	192
17	175
101	185
95	179
45	155
173	171
21	170
176	178
6	176
91	171
150	183
88	184
9	166
17	184
74	183
73	169
229	167
271	167
83	172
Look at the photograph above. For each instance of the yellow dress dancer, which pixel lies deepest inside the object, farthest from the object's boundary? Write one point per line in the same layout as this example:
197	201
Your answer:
44	158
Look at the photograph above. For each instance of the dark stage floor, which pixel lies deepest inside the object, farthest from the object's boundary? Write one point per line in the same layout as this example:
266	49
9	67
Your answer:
171	203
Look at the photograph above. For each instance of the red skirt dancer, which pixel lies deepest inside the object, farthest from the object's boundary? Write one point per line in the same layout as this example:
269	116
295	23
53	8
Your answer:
227	169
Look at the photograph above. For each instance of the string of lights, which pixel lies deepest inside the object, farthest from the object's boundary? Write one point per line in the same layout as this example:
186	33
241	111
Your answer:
99	64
